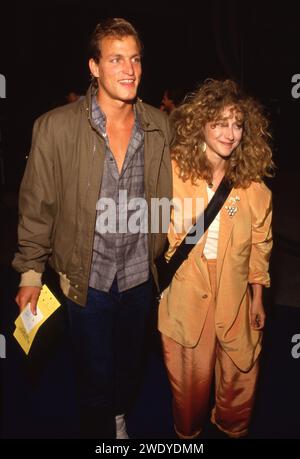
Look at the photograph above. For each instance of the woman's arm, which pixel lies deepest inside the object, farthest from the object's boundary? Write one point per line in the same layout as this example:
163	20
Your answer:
260	202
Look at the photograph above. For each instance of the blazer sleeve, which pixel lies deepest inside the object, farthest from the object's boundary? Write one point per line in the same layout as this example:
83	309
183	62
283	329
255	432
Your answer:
260	202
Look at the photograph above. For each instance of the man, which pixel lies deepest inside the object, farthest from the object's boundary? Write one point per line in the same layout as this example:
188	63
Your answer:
171	99
84	155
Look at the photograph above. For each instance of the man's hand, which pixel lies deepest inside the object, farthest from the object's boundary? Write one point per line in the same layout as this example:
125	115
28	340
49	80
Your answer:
28	295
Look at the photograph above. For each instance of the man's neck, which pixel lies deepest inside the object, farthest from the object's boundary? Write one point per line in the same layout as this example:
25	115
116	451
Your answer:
116	111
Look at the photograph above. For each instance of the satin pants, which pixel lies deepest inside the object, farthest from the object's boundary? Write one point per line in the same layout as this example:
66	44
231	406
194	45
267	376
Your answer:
191	372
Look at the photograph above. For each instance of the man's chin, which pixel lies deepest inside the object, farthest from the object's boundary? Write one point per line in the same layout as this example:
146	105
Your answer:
130	100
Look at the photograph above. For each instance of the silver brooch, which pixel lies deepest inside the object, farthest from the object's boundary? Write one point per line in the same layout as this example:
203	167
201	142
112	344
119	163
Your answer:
232	209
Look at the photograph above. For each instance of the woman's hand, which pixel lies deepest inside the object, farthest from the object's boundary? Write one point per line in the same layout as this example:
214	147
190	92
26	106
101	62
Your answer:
257	310
257	315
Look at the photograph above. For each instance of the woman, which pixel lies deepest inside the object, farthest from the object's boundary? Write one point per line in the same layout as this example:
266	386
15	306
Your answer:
211	316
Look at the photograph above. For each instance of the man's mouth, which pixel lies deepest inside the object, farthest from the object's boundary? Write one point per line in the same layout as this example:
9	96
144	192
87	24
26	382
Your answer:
127	81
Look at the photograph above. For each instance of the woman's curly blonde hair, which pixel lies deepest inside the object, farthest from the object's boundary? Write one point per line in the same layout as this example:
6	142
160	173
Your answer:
250	161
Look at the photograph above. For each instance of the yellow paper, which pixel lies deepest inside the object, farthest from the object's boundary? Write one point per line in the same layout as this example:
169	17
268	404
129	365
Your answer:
27	324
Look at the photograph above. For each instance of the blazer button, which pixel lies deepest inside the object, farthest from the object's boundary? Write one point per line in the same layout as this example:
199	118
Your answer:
76	286
204	296
75	297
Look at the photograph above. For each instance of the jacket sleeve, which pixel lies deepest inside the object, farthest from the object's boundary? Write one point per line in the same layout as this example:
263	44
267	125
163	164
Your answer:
260	201
37	206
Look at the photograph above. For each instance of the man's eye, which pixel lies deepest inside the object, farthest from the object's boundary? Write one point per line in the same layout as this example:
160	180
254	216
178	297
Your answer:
115	60
137	60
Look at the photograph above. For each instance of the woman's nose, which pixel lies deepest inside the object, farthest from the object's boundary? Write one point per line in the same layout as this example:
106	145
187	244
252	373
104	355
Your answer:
229	133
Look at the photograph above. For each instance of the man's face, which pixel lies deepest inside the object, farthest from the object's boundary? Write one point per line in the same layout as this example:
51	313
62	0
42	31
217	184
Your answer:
167	104
119	69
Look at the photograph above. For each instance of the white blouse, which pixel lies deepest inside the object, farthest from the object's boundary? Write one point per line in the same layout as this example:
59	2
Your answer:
211	245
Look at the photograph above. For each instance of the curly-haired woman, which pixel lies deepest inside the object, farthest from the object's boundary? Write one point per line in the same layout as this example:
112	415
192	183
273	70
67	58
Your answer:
211	316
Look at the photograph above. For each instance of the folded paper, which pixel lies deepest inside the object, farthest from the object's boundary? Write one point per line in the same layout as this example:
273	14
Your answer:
27	324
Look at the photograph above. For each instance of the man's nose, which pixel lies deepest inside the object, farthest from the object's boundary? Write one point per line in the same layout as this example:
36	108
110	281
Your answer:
128	67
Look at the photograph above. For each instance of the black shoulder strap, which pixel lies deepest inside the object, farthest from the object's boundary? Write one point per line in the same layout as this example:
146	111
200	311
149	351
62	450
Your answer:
182	252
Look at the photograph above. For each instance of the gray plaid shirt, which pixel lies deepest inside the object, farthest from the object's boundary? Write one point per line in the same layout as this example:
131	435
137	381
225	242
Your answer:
119	251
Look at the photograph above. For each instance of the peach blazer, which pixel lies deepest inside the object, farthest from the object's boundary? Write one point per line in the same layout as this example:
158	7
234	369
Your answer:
244	246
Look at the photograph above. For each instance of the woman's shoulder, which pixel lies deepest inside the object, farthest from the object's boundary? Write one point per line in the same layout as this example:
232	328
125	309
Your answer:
258	193
259	188
178	177
183	187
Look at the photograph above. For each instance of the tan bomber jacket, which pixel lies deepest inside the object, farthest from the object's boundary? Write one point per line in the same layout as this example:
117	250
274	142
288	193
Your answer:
61	186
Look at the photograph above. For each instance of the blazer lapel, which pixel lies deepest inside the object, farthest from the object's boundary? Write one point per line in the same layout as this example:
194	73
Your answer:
225	230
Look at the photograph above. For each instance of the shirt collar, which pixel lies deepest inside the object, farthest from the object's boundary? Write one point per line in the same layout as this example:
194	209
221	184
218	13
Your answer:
99	117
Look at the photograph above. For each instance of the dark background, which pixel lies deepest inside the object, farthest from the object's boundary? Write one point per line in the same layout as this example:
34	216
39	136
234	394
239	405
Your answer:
43	57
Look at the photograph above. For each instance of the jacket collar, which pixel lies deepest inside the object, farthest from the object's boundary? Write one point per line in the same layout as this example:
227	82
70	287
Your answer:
147	123
145	119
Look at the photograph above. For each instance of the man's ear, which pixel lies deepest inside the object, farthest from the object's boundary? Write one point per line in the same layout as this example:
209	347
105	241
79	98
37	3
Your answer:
94	68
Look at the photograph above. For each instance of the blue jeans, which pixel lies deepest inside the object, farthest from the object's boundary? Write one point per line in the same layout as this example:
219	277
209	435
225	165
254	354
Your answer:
108	337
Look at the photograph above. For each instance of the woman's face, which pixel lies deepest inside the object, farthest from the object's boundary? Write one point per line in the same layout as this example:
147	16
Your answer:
224	135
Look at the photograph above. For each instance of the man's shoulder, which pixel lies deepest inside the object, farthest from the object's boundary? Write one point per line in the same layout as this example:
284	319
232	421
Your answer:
60	116
153	114
153	110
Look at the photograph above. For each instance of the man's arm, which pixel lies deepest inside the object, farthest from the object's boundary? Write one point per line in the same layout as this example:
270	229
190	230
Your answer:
37	209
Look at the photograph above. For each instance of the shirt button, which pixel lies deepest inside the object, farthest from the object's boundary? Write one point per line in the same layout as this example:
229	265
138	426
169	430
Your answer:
204	296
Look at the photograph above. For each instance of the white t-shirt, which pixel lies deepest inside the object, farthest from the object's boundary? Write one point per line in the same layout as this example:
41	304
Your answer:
211	245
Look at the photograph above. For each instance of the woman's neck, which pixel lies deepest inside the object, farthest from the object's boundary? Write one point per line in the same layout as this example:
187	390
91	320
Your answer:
218	171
